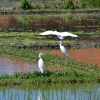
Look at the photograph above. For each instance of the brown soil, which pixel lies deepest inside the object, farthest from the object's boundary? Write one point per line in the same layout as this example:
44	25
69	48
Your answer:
89	55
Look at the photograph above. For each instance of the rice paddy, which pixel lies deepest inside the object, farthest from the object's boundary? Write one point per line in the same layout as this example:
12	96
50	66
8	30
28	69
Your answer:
20	40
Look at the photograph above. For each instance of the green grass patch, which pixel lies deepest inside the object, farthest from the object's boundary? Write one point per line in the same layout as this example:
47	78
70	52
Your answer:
50	77
71	70
26	38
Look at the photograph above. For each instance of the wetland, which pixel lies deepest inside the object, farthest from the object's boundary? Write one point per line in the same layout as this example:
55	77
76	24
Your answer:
63	78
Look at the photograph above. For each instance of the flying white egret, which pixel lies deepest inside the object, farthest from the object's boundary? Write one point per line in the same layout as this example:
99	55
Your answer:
63	49
41	63
60	35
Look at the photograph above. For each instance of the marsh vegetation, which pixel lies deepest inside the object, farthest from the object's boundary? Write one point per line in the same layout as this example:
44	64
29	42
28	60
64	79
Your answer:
22	31
20	42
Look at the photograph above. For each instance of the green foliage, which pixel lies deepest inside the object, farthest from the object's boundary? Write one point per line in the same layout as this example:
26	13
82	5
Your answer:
73	71
69	76
24	19
91	3
25	5
84	5
51	59
46	6
65	5
37	6
70	5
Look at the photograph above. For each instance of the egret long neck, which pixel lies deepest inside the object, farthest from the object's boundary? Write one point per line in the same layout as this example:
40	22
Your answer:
60	44
40	56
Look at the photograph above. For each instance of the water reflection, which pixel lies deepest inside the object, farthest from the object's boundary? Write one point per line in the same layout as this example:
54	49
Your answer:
12	66
58	92
40	95
8	66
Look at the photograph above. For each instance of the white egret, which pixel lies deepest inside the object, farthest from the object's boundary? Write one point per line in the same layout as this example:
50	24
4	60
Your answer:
60	35
41	63
63	49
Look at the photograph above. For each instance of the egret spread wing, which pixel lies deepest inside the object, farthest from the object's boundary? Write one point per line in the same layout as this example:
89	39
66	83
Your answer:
67	34
49	33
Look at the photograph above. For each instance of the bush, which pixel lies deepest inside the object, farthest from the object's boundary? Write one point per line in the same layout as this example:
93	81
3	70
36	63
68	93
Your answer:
25	5
65	5
46	6
70	5
84	5
37	6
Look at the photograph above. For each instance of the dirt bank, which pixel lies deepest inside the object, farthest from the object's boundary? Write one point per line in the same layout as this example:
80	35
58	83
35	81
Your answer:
17	12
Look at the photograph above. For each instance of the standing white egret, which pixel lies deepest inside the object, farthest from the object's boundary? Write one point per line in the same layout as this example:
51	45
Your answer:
41	63
63	49
60	35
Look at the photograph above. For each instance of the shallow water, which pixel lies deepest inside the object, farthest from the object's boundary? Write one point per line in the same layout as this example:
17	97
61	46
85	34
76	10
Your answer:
51	92
12	66
9	66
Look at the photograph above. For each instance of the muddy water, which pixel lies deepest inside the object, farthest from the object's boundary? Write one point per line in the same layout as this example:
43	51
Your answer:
73	23
88	55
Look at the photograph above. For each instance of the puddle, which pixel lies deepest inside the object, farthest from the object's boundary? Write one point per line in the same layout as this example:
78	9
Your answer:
8	66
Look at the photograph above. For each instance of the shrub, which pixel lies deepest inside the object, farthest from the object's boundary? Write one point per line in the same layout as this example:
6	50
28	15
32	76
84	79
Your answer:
65	5
84	5
37	6
25	5
70	5
46	6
